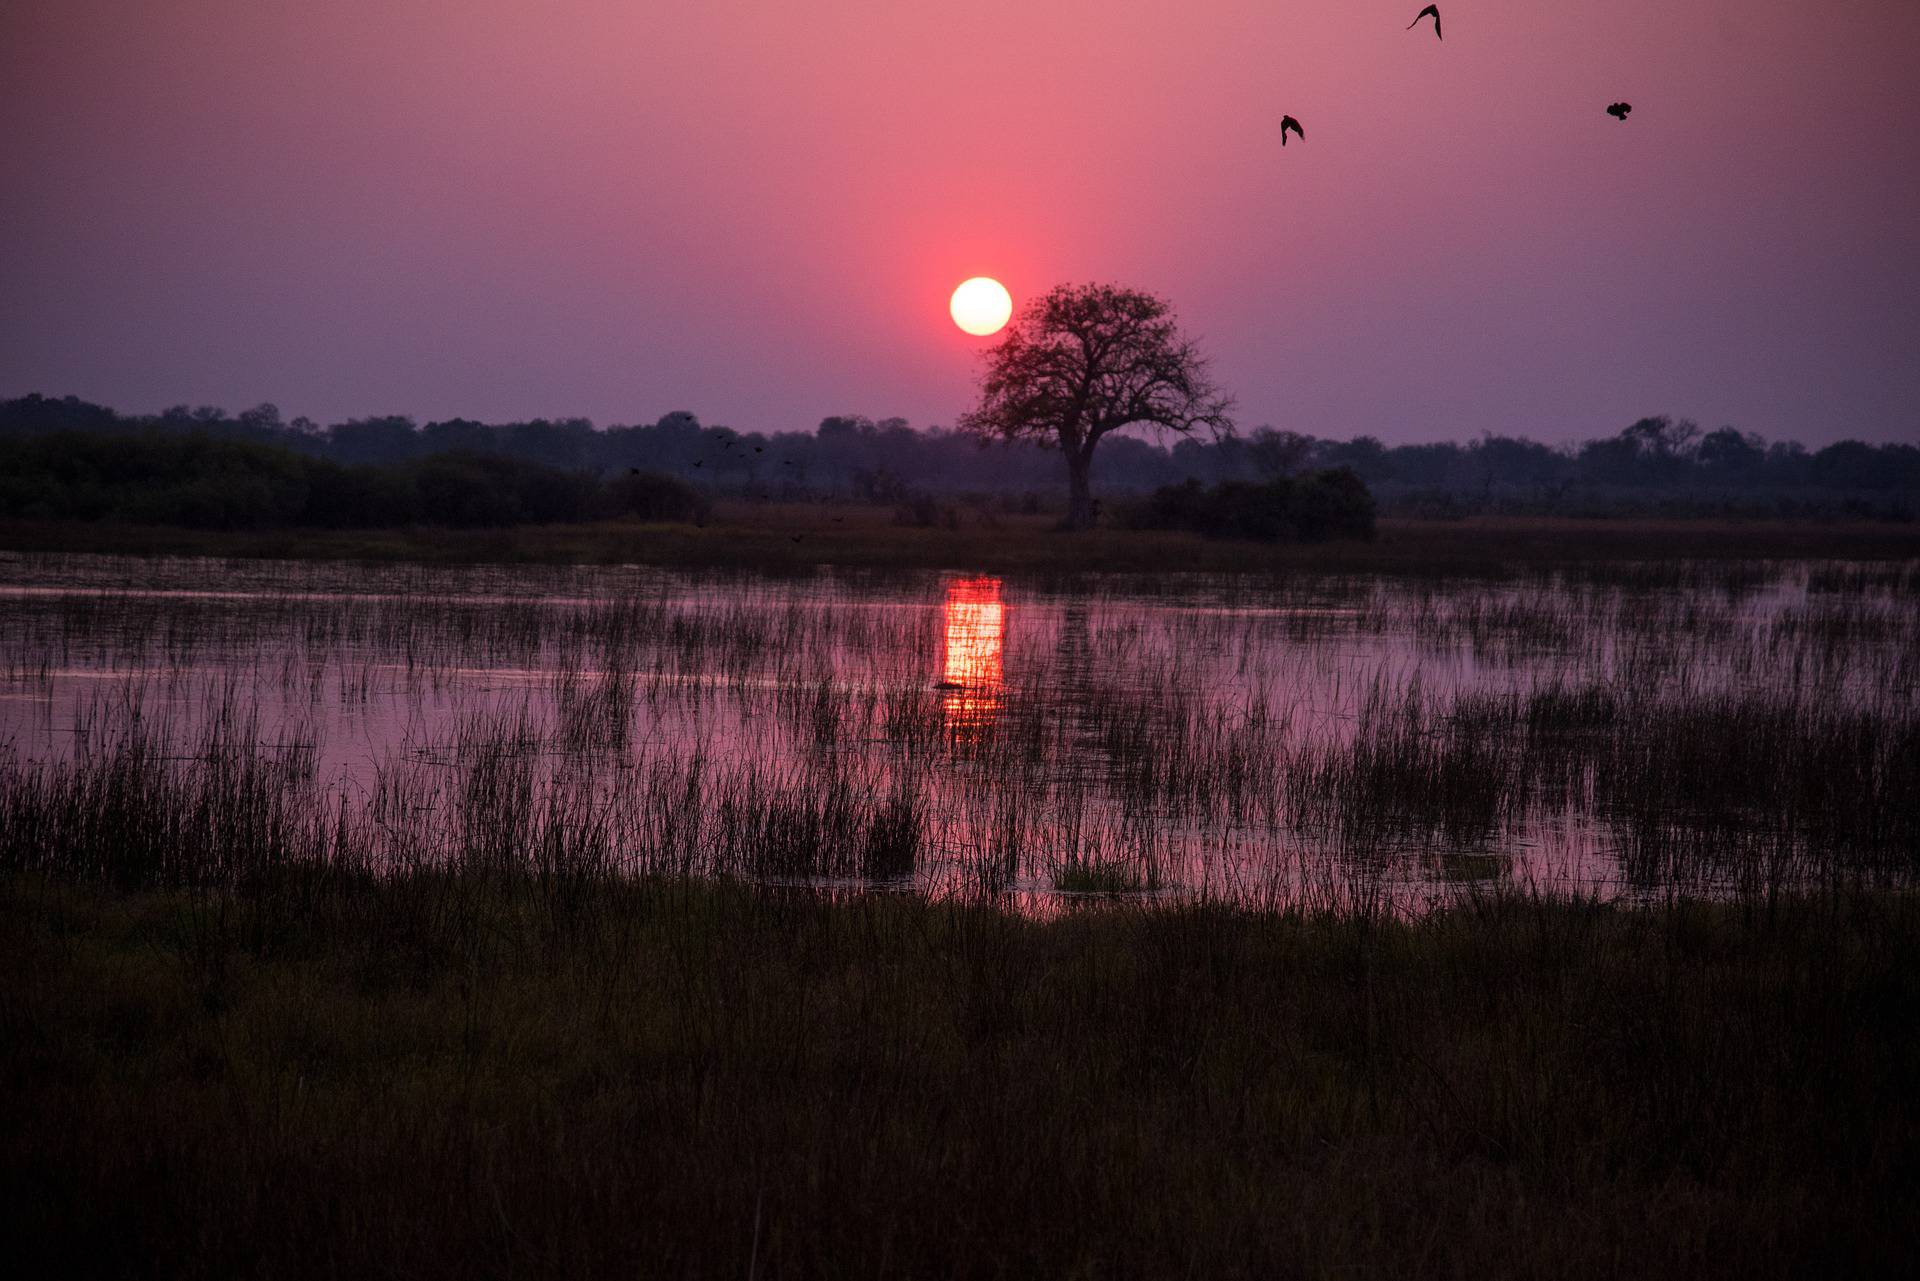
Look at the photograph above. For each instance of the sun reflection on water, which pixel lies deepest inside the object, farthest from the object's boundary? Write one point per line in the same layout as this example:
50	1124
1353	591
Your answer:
971	679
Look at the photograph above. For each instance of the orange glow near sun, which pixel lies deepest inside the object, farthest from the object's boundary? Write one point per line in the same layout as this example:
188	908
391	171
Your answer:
981	306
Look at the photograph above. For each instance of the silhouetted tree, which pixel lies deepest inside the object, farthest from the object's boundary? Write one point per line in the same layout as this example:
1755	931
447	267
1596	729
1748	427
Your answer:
263	419
1085	360
1662	437
1366	455
1505	459
1279	453
377	440
1727	454
1848	464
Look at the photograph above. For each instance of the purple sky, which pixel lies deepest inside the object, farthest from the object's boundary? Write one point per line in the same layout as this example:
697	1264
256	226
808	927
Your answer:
756	210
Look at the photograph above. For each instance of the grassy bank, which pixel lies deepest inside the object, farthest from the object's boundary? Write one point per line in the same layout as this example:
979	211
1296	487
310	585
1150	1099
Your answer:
330	1075
796	538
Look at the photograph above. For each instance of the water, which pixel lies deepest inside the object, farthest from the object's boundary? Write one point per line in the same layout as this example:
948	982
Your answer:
1309	739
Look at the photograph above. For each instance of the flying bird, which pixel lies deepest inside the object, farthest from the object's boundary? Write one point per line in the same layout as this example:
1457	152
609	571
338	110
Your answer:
1432	10
1619	110
1288	122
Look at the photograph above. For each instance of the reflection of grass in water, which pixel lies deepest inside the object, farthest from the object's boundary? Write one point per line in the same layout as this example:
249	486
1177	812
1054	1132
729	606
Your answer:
1100	876
893	838
1472	866
735	726
1779	785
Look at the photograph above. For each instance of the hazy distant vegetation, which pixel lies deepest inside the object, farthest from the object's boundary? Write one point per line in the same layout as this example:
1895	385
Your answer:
1656	466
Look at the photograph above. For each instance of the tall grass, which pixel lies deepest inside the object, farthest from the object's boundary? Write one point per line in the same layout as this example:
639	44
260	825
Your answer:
1229	741
427	1076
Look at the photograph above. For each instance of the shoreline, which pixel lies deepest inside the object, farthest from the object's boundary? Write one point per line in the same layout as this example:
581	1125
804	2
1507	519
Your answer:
800	539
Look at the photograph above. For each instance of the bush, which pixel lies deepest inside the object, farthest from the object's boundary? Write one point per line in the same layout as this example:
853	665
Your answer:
1313	508
361	497
194	481
652	497
203	482
479	490
1333	504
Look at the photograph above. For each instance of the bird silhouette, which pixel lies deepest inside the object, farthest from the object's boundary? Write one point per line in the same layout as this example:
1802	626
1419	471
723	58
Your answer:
1432	9
1288	122
1619	110
696	464
796	538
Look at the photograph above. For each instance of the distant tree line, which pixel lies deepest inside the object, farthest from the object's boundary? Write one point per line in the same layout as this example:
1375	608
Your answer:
1657	464
199	481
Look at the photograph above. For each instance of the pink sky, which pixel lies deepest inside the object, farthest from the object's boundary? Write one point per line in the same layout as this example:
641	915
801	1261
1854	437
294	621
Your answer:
756	210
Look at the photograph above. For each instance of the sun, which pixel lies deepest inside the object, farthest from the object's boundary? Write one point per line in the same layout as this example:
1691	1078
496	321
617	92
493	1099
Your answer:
981	306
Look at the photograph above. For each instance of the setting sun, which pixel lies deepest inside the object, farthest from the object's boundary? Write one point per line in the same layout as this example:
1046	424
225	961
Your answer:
981	306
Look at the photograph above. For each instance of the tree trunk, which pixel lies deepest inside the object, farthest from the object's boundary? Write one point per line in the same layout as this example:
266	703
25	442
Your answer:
1079	489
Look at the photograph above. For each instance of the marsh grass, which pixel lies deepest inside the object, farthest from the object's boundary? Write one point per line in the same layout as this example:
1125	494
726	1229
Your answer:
1105	877
1237	943
437	1075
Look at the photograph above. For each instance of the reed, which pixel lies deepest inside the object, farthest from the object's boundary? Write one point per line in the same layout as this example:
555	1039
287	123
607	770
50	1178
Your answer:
1230	738
433	1075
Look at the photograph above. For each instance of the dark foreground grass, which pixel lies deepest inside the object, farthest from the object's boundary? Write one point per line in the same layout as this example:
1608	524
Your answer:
793	538
467	1077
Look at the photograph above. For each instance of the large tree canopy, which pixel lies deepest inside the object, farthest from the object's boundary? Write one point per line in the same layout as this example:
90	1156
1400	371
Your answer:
1085	360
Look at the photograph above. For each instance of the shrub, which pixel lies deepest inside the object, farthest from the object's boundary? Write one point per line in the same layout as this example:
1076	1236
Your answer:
203	482
652	497
468	490
1313	508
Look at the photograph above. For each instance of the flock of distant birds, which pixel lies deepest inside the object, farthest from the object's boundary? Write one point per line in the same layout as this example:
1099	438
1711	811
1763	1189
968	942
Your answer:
1617	110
